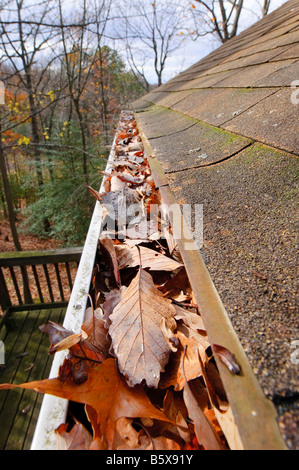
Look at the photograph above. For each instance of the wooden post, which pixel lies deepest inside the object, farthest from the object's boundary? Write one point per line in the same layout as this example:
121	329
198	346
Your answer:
5	301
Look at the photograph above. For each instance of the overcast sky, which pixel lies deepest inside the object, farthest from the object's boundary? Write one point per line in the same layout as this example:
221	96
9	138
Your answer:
193	51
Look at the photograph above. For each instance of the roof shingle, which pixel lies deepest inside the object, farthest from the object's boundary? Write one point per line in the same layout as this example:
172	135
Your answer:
225	132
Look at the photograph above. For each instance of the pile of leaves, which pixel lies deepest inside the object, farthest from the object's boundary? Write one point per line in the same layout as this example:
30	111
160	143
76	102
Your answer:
142	367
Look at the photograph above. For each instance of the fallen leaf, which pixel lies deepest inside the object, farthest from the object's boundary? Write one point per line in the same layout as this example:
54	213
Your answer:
77	439
137	337
127	438
67	343
151	259
26	410
56	333
175	375
117	202
179	281
175	408
112	300
128	178
190	319
144	230
172	244
106	392
204	431
83	354
124	163
108	245
96	333
227	358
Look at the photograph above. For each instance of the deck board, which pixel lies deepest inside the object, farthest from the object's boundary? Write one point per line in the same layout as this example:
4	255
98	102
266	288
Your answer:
26	359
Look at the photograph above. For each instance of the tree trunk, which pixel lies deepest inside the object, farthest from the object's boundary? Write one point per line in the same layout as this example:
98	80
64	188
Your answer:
8	197
12	219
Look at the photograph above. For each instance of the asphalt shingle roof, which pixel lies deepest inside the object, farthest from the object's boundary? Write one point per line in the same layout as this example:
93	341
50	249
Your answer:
225	132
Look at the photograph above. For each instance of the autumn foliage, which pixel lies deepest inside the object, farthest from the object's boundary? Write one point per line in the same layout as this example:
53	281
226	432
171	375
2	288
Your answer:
142	366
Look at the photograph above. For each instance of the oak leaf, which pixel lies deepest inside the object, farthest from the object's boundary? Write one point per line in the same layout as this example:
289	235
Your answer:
105	392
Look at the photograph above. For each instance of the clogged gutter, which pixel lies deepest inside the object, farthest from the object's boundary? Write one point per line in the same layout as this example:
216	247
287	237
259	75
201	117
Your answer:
142	365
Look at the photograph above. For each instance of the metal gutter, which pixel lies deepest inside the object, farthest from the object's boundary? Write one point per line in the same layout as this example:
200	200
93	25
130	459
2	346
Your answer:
251	421
54	410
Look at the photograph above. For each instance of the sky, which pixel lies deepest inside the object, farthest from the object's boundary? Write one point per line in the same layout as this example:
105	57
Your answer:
191	51
194	51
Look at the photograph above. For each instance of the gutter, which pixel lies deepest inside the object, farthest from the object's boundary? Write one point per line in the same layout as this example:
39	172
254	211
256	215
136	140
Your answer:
250	423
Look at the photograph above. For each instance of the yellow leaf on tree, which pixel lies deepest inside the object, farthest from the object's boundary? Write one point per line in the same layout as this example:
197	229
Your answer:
24	140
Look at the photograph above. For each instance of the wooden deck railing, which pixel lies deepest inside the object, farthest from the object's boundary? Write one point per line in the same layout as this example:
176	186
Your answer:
35	278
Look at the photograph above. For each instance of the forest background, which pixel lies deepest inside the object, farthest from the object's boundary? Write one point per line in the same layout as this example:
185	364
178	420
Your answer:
67	69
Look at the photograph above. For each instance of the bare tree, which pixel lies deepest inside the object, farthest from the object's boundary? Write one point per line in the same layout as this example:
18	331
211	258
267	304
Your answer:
221	17
22	44
8	195
151	32
101	12
266	7
81	45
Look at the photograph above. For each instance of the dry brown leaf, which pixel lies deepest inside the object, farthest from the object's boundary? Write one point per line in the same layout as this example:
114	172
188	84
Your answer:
126	437
163	443
190	319
126	164
77	439
108	396
108	245
174	407
57	334
174	374
178	282
128	257
172	245
96	332
191	326
117	201
68	343
126	177
204	431
136	331
227	358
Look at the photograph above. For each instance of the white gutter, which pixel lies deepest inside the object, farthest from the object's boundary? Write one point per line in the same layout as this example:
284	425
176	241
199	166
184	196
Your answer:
54	410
